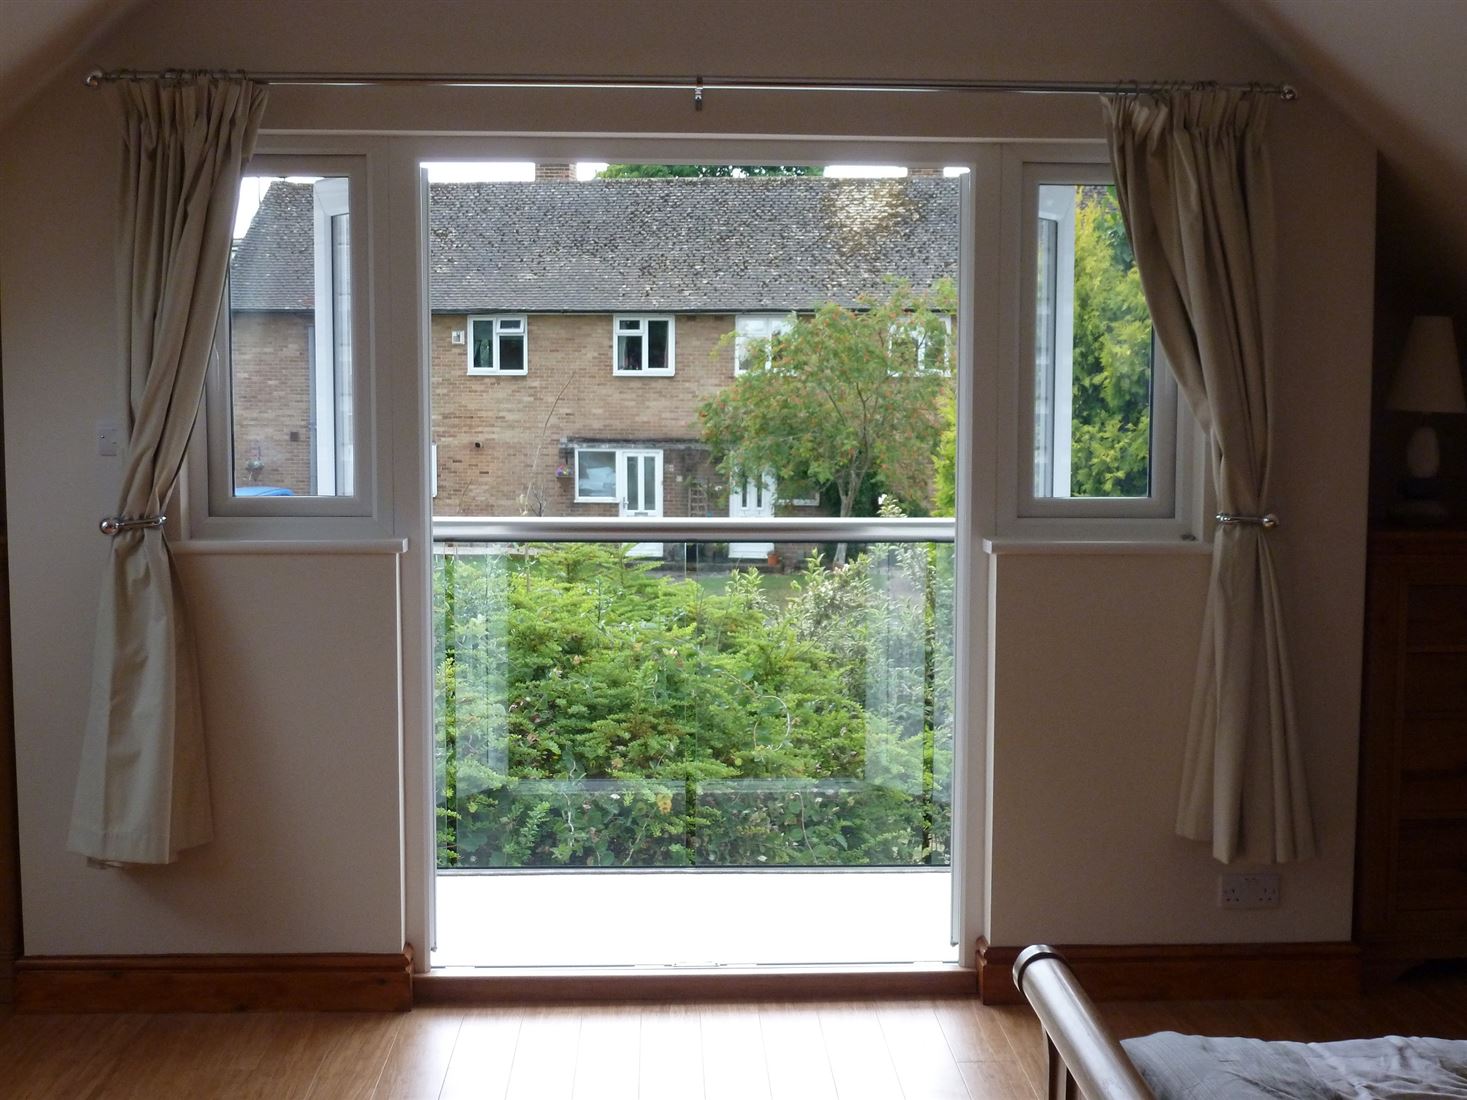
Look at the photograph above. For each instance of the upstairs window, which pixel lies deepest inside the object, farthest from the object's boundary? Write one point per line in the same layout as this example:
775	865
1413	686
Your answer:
926	345
642	345
749	329
498	345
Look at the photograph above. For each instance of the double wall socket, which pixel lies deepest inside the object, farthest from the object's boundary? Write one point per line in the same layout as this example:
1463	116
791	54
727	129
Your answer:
1255	891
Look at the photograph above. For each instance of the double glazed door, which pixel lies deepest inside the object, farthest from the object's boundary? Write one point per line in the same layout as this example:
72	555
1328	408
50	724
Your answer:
640	482
754	499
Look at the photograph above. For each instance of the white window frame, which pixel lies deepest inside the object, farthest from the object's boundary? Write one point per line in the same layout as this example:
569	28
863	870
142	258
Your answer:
918	336
644	371
758	326
498	320
616	494
214	511
1173	508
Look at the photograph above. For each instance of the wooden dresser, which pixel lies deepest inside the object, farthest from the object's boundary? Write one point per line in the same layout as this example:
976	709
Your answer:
1411	856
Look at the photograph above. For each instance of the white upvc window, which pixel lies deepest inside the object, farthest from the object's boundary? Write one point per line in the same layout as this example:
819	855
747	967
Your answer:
642	345
289	414
499	344
595	475
1099	431
749	327
930	344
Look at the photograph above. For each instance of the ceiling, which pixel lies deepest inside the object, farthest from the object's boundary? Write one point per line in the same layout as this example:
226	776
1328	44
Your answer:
1396	68
40	37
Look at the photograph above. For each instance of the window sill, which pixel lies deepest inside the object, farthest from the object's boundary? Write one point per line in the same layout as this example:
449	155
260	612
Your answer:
1090	547
289	546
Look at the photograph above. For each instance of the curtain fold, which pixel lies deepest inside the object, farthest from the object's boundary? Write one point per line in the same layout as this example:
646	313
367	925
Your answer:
142	792
1193	184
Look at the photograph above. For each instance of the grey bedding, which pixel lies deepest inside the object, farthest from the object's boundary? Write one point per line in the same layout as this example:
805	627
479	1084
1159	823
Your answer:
1196	1067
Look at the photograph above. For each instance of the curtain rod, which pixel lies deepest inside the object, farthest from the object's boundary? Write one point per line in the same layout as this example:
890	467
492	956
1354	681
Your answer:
698	85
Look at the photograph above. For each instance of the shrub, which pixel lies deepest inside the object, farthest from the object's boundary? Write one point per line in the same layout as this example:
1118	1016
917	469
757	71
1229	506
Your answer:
590	712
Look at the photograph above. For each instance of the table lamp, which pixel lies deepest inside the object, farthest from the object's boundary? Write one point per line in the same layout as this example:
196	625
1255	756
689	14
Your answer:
1428	380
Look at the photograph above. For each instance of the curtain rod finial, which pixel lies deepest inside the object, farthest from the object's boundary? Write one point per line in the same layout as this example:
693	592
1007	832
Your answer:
94	79
1288	93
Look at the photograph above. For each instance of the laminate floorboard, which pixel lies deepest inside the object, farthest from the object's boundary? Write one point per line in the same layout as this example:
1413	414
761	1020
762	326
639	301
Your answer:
886	1049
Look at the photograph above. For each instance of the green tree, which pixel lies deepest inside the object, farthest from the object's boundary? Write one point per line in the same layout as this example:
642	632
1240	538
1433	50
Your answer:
1111	435
665	171
843	400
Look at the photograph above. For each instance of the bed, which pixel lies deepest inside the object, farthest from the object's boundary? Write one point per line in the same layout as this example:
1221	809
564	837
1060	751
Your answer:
1083	1058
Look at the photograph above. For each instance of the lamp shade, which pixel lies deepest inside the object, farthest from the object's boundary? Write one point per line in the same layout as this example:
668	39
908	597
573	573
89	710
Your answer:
1429	378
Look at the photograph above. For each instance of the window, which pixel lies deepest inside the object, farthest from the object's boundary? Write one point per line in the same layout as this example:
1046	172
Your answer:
596	476
749	327
288	407
1097	410
927	344
642	346
498	345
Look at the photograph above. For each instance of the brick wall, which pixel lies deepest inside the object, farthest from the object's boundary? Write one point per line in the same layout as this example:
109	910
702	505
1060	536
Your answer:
272	400
499	438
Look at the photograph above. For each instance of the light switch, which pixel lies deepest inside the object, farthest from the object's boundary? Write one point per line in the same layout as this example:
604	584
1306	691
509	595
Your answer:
109	438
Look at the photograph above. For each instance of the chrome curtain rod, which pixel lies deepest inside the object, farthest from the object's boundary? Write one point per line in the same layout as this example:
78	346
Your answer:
698	85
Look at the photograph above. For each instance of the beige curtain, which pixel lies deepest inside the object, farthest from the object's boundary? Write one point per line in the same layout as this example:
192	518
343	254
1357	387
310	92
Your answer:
1193	183
142	794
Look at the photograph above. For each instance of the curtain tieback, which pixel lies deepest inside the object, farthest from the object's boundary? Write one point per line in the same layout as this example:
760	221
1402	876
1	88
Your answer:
115	525
1231	519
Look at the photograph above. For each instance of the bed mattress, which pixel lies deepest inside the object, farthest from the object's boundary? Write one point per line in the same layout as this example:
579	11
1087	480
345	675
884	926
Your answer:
1196	1067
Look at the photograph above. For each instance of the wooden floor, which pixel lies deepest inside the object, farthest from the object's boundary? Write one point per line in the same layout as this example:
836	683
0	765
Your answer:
884	1050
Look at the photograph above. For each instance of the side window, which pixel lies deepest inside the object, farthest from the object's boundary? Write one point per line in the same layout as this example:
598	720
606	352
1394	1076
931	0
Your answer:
642	345
1097	410
498	345
287	421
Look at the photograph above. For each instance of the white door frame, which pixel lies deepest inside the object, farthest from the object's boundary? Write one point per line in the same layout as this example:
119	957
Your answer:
740	508
630	496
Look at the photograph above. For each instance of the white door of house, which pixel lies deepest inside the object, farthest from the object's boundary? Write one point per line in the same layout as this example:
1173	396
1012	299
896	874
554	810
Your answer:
752	500
640	485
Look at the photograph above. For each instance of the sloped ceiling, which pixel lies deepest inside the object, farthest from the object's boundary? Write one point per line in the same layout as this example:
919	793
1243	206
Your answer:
1396	67
1400	70
38	38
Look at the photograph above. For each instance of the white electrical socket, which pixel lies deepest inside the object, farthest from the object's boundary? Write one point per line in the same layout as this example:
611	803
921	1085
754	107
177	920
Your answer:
1259	890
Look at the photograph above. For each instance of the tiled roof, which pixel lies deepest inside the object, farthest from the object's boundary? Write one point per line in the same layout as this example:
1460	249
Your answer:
272	266
673	245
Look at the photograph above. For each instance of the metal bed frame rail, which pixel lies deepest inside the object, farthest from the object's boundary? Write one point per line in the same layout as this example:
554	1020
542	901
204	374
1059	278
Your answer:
1081	1057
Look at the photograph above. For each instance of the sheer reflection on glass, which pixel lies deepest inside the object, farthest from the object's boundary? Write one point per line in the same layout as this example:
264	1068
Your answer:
594	709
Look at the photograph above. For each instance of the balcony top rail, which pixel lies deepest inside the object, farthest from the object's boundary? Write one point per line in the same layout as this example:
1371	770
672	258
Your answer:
645	529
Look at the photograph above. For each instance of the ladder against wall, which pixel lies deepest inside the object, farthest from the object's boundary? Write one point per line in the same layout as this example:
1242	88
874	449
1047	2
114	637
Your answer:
697	499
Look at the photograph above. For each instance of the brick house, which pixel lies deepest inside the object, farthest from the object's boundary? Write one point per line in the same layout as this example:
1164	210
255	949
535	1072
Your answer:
577	326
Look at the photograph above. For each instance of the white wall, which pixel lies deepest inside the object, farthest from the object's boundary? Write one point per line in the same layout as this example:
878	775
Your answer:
278	714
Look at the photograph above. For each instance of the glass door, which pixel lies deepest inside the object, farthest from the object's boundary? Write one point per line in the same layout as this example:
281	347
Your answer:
641	494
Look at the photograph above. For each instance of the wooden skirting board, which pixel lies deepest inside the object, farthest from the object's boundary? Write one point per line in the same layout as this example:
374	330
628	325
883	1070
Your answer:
216	983
673	986
1182	972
